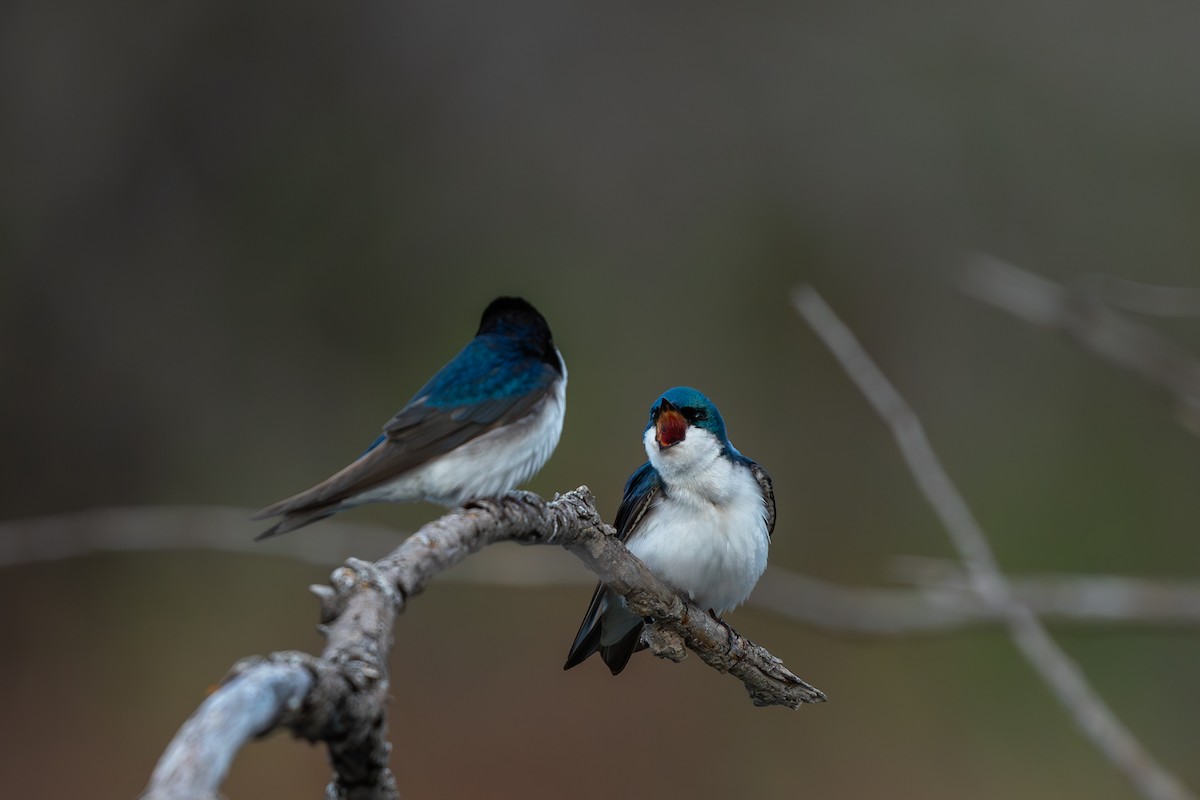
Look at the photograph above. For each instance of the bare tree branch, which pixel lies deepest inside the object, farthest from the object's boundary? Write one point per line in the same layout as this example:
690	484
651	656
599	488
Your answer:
1106	333
1061	674
1144	298
198	759
942	601
1064	597
345	700
171	528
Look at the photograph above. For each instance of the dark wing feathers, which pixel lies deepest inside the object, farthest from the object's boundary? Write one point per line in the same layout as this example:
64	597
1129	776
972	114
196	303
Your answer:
617	655
768	490
418	433
641	490
587	640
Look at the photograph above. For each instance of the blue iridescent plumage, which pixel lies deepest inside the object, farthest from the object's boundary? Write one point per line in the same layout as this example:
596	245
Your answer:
494	367
487	421
698	513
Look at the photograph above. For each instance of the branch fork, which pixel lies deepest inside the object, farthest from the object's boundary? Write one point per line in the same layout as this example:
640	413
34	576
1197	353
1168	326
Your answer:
340	697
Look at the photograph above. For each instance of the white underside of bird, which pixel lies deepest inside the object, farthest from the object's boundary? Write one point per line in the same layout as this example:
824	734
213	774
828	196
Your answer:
706	535
486	466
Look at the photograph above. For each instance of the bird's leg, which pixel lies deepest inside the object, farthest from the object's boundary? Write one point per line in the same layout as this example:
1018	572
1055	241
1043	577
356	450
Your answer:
524	496
495	501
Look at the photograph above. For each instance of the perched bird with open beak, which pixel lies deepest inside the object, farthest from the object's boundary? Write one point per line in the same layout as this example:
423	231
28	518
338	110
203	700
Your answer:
484	424
698	513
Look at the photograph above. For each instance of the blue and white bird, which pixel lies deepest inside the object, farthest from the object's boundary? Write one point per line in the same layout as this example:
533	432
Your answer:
485	423
698	513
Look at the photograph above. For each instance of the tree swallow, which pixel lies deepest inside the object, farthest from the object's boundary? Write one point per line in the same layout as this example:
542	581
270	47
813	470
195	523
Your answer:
486	422
698	513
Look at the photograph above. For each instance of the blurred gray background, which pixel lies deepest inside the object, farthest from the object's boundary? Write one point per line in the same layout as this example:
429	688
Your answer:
235	239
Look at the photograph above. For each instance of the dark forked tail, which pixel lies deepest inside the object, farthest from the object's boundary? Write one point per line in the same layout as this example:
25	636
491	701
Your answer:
587	641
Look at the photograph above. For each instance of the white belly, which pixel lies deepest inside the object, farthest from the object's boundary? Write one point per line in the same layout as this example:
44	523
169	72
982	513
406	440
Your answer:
712	552
490	465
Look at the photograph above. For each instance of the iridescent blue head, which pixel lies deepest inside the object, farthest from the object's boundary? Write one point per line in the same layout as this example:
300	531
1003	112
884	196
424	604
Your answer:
517	321
682	407
511	316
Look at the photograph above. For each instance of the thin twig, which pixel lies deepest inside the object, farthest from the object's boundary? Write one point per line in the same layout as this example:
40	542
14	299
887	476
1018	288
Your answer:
345	704
1144	298
144	529
1066	597
946	603
1082	316
1061	674
941	602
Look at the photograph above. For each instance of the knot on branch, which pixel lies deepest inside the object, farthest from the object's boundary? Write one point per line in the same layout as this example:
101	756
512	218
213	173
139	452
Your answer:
579	504
313	715
348	579
538	521
665	643
368	575
343	696
664	606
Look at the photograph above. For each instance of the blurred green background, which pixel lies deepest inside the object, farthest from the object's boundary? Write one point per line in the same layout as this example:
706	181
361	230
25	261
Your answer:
236	237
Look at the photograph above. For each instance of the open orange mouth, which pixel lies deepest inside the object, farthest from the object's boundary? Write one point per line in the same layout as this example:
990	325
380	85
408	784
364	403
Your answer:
670	428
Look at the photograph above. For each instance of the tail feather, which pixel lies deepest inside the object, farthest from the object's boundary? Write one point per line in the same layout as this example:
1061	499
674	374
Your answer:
307	500
293	520
328	496
617	655
589	638
302	509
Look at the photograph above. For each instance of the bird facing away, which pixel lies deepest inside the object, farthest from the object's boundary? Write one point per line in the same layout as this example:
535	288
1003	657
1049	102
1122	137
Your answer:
485	423
698	513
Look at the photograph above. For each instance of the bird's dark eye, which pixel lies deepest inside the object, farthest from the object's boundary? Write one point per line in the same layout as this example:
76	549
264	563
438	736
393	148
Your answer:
695	414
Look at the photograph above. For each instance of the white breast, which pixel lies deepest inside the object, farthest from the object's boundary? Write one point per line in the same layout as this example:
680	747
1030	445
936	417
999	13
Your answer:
706	535
487	466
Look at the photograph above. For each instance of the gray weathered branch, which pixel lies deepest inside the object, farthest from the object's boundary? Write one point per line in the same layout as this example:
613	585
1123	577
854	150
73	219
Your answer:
1060	673
340	697
250	701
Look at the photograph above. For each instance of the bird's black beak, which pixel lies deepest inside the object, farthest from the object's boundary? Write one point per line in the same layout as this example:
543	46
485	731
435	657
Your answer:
670	427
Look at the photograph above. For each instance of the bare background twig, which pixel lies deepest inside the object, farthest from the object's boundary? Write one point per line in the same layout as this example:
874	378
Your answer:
1096	327
1060	673
944	602
939	599
1143	298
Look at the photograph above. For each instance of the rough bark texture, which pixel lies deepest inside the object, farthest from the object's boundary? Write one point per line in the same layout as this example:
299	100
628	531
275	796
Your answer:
340	697
250	701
